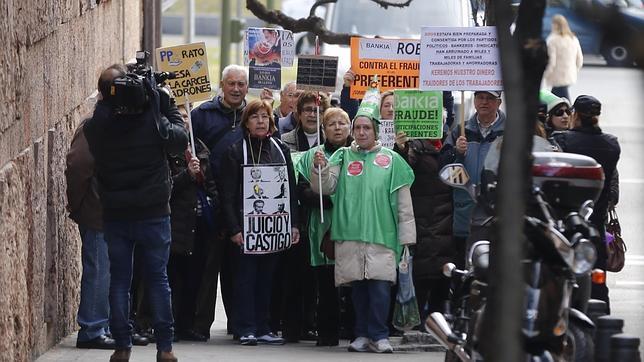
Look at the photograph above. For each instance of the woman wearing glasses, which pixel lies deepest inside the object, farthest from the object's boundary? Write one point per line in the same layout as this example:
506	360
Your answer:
558	112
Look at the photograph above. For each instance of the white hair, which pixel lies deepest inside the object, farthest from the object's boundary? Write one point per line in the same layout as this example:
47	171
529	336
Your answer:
234	68
285	87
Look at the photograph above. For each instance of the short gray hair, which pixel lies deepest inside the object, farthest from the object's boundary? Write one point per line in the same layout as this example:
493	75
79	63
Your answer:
285	87
234	68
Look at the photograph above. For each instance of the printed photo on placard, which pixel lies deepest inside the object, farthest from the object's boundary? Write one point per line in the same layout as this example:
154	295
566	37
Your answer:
267	213
264	47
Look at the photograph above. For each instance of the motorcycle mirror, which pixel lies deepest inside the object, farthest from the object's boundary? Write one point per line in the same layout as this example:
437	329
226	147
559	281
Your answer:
586	209
448	269
455	175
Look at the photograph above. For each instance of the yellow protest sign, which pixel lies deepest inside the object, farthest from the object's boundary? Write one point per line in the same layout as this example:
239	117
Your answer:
190	65
395	61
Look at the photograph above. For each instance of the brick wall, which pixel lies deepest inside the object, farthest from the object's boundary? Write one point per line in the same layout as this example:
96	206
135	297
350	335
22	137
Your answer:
51	55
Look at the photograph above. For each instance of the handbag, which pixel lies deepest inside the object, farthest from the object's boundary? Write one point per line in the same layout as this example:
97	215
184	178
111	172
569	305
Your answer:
615	249
327	246
406	315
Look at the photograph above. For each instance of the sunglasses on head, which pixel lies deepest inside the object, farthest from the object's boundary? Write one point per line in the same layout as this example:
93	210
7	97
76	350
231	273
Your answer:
560	112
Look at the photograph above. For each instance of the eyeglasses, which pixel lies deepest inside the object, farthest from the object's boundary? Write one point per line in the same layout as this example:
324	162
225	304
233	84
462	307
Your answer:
560	112
309	110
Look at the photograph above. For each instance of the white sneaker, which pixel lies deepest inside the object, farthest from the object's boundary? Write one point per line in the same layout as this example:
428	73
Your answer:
270	338
381	346
360	344
248	340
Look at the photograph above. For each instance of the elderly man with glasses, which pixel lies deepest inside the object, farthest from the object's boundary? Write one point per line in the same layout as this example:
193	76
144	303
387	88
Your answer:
470	149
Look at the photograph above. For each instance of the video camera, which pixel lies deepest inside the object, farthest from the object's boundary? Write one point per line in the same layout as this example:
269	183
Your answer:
130	94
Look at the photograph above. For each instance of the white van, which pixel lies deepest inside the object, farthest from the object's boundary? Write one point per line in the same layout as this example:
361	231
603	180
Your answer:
368	19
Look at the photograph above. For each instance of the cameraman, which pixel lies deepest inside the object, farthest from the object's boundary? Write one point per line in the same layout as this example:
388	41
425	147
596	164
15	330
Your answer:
129	141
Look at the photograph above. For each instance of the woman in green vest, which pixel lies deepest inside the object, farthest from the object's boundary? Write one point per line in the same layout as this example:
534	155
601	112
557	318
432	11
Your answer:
336	126
372	220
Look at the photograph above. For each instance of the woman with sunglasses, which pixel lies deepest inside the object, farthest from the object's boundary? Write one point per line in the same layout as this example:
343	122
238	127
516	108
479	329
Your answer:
558	112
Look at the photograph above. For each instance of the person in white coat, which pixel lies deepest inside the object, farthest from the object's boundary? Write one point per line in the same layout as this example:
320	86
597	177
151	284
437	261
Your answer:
372	220
564	57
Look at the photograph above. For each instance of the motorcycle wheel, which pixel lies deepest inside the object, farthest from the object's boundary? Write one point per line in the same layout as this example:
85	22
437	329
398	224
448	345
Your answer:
579	344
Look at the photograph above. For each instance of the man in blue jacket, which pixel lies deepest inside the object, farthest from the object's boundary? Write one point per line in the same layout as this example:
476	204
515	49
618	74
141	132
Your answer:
470	149
217	124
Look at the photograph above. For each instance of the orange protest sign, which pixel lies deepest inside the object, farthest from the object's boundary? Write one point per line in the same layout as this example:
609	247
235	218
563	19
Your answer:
395	61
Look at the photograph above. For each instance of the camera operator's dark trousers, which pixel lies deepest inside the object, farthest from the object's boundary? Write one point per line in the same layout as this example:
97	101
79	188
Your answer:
153	236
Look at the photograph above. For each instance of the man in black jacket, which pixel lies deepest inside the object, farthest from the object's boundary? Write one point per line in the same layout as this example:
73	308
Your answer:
130	151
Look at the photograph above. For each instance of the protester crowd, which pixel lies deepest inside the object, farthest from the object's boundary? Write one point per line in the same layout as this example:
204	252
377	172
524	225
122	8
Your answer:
337	279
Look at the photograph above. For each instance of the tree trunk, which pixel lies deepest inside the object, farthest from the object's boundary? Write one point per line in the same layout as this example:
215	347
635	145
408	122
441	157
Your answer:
523	60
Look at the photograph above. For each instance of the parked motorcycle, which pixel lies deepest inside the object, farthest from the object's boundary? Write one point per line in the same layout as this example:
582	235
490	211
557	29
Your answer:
559	250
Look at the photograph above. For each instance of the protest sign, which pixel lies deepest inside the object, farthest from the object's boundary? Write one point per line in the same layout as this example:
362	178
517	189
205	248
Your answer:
268	45
395	61
190	65
419	113
387	135
317	73
269	76
267	211
265	51
459	59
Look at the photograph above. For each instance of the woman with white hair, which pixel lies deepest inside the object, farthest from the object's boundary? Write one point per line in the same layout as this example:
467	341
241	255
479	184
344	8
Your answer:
564	57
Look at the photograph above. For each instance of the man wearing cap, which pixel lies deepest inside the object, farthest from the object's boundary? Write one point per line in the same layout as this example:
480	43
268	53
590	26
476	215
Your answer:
586	138
470	149
372	220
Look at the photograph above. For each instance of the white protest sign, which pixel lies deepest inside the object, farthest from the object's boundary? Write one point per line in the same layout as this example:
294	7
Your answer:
454	58
267	211
386	134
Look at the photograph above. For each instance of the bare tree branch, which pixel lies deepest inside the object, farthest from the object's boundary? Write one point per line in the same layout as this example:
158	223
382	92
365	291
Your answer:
313	23
385	4
317	4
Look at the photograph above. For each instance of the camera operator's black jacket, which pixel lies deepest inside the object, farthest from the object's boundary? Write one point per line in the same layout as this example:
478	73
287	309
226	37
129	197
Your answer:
131	159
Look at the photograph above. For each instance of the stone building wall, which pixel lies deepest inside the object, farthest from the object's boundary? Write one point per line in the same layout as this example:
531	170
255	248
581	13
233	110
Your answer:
51	55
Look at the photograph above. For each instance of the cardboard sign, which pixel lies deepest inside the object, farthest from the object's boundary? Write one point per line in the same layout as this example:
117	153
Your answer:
419	113
317	73
387	135
190	64
459	59
263	46
267	211
395	61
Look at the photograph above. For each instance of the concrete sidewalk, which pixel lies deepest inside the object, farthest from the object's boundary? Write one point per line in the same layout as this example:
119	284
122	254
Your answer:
222	348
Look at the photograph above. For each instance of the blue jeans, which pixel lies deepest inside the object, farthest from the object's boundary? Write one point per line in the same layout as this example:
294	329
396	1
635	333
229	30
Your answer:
153	237
562	92
252	293
94	308
371	300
